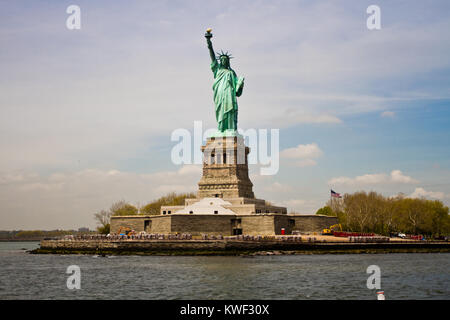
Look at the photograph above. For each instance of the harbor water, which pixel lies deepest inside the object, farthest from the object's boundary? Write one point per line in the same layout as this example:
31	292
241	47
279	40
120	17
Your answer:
324	276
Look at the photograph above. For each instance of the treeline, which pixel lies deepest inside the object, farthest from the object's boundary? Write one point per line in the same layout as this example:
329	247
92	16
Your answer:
372	212
34	234
122	208
171	199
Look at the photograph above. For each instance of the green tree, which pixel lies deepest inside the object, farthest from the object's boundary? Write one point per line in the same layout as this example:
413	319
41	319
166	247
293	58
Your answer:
122	208
104	229
326	211
372	212
103	218
439	223
171	199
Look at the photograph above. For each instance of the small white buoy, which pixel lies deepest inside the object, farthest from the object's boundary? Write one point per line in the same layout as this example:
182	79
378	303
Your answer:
380	295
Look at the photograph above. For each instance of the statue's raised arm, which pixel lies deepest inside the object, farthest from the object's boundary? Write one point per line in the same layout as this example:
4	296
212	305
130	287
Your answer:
208	36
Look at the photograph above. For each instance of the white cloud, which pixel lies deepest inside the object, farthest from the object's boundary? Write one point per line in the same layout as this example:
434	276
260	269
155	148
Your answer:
396	176
387	114
301	206
305	163
7	178
294	203
422	193
371	179
277	187
302	151
320	118
68	200
290	118
303	155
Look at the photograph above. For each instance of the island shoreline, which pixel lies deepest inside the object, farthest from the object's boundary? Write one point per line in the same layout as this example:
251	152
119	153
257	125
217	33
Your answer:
230	248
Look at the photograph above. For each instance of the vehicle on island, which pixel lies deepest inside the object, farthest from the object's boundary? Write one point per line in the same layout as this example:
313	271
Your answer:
397	235
336	230
125	231
329	231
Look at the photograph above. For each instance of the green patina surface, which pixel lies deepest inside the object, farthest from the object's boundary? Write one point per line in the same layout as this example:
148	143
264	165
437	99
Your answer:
227	87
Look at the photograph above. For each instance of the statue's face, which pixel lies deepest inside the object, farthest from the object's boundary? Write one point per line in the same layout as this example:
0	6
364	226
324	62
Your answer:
224	61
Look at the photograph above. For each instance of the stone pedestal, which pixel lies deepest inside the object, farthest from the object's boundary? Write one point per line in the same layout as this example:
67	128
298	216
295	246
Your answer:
225	169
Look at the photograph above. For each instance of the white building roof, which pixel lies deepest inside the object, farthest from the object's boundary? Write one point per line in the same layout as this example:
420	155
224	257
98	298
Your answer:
207	206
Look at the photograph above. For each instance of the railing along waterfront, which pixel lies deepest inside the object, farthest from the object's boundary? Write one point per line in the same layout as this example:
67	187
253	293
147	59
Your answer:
185	236
188	236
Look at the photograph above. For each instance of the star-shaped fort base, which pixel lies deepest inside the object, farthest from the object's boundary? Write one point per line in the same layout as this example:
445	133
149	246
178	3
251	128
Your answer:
226	133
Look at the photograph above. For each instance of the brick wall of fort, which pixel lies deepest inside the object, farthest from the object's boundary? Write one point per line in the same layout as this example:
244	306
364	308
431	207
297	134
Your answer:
198	224
257	224
312	223
160	224
132	222
222	224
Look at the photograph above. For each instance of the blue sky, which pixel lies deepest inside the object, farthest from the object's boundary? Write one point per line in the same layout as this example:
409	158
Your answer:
86	115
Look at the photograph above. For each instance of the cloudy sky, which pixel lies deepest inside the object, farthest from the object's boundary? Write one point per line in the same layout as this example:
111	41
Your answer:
86	115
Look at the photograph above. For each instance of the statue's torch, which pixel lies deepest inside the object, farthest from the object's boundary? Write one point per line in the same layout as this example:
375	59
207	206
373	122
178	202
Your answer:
208	34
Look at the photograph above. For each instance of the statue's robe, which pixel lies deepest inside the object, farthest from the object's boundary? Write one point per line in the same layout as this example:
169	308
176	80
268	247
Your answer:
227	86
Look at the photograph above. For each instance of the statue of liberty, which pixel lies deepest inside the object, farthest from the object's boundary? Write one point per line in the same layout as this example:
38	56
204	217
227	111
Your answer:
227	86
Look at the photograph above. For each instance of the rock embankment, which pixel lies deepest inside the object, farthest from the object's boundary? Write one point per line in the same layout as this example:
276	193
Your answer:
229	247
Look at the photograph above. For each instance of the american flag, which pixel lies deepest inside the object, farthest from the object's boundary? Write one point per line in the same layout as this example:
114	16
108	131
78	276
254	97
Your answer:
335	194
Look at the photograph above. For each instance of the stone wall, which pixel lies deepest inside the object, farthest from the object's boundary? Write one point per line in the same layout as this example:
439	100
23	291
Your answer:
271	209
241	208
198	224
257	224
282	221
161	224
224	176
245	209
312	223
171	209
133	222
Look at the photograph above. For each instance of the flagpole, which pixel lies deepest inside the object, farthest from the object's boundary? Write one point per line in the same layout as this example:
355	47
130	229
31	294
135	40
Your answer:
331	200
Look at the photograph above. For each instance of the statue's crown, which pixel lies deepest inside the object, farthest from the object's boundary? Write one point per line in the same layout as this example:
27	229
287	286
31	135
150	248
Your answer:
224	54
